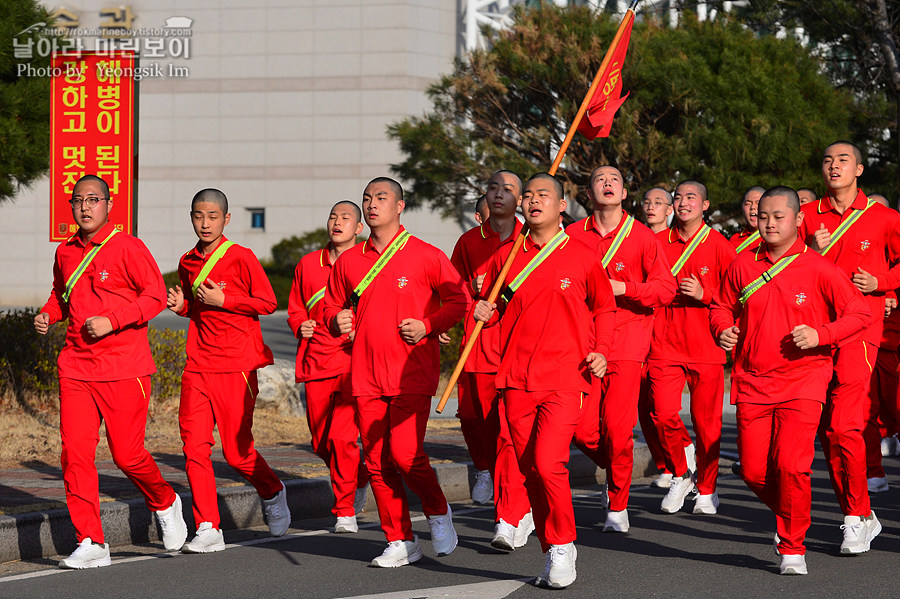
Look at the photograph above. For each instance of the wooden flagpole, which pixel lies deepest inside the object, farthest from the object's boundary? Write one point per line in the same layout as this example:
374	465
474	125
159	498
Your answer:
498	284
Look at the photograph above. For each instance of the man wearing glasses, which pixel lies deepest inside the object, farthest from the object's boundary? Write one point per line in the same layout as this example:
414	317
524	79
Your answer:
108	286
657	208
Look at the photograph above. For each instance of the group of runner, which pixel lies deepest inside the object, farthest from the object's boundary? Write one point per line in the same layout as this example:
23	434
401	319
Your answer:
597	326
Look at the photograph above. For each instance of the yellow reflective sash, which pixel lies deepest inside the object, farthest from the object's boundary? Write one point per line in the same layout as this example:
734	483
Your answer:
747	242
542	255
767	276
617	242
382	261
844	226
207	268
85	262
699	238
315	299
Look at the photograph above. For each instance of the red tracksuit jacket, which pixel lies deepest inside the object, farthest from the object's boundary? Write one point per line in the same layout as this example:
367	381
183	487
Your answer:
470	257
324	355
552	320
739	238
122	283
227	339
418	282
681	329
872	243
768	366
649	284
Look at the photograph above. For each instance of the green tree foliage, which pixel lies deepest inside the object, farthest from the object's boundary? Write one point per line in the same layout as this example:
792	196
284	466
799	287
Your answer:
24	101
709	100
858	42
287	252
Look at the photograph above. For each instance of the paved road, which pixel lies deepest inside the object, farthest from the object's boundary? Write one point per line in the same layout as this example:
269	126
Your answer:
728	555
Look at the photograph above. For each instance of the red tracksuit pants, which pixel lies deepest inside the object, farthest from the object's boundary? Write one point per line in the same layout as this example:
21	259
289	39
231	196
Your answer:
706	383
333	425
885	380
482	418
606	430
542	425
83	405
225	400
648	429
776	444
882	413
842	424
393	436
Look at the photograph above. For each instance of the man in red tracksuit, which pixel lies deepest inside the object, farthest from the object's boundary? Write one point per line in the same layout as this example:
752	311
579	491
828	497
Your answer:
748	238
657	208
641	281
863	239
105	367
223	291
781	329
682	349
880	430
398	294
556	330
323	365
481	412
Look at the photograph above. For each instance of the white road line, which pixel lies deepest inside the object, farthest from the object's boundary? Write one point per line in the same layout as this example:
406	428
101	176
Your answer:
480	590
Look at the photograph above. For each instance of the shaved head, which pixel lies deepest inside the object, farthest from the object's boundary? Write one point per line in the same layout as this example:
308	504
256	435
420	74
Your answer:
213	196
556	183
793	200
95	178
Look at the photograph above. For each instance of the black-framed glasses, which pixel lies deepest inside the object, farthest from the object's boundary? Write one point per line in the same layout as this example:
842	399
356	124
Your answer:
89	201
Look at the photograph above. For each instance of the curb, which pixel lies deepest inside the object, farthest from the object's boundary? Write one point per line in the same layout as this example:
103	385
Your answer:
43	534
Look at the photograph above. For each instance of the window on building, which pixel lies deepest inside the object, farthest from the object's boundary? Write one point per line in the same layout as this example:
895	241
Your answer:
257	218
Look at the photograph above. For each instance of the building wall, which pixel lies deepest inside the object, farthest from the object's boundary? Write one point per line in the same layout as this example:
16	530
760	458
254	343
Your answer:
285	108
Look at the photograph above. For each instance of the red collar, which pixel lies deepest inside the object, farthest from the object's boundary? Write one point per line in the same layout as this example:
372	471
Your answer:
590	224
859	202
762	251
196	252
99	237
530	244
368	245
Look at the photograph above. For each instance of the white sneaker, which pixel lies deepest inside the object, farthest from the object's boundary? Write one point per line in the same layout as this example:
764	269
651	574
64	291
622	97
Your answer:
278	515
663	481
443	535
890	446
399	553
775	542
674	499
504	536
616	522
87	555
483	490
543	578
524	529
858	533
690	454
360	499
878	484
604	497
346	524
562	565
707	504
793	564
207	540
171	522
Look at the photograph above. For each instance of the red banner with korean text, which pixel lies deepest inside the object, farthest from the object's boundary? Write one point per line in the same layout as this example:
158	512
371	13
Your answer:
92	132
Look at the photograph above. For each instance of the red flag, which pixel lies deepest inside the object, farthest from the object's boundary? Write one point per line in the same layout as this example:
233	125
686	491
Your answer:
597	121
